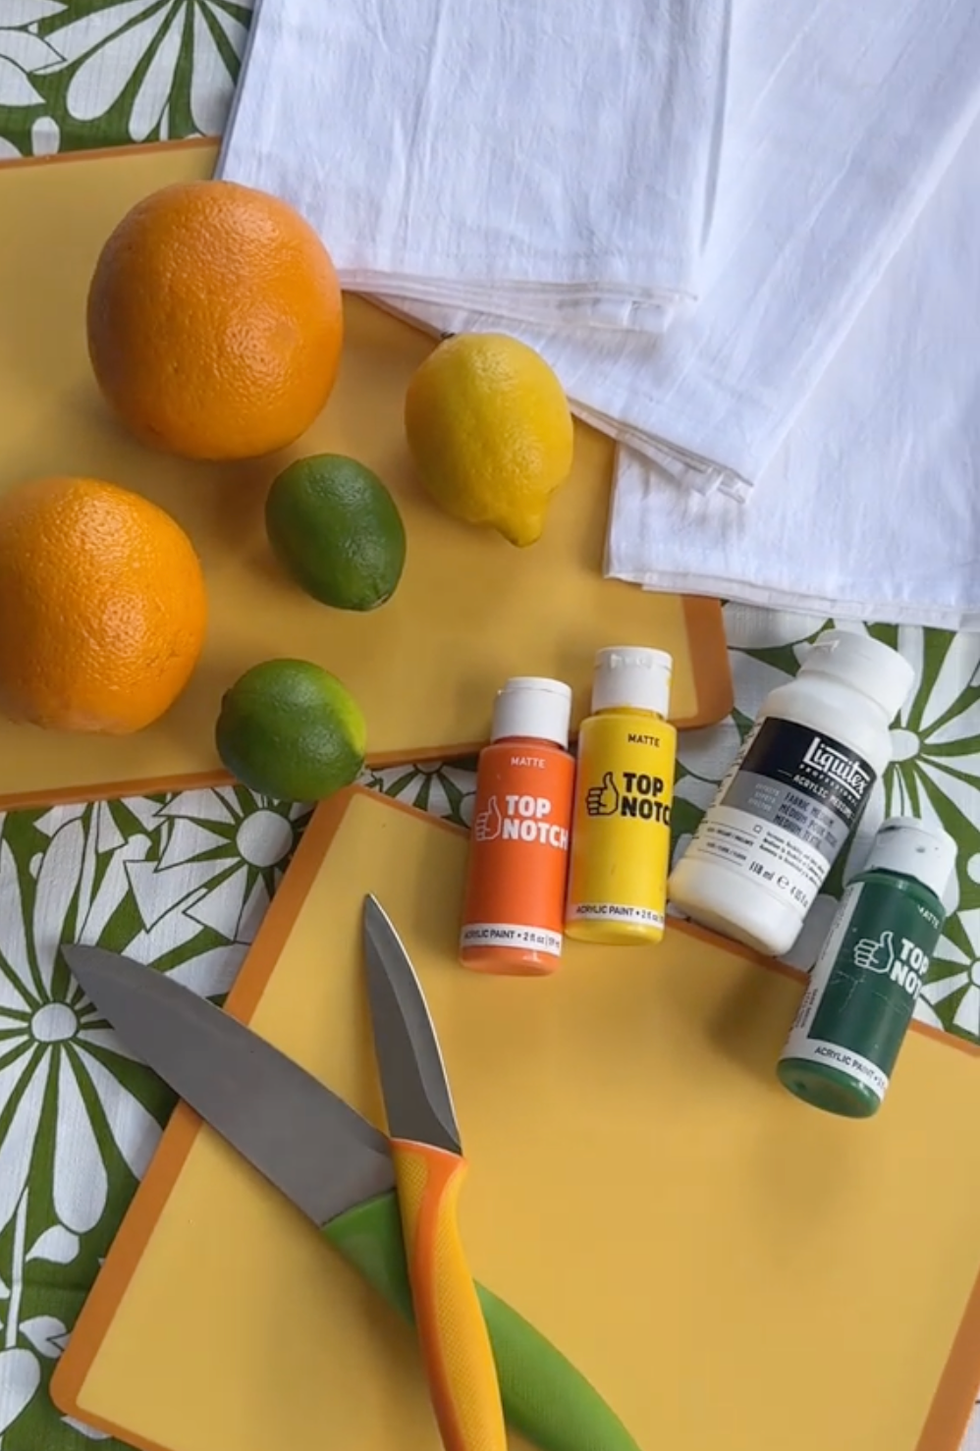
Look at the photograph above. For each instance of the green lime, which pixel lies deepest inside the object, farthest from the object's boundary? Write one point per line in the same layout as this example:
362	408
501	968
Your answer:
336	530
291	730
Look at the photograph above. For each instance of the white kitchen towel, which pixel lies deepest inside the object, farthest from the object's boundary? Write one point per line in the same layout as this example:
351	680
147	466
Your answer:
553	161
842	119
871	508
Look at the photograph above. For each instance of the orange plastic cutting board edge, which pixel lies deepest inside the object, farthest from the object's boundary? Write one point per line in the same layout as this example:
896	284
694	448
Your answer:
730	1267
470	609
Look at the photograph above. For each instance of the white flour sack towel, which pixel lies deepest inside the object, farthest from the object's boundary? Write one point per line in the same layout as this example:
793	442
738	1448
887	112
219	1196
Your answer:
554	162
871	508
843	118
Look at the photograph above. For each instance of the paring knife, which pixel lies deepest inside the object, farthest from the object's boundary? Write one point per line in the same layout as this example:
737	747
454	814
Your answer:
429	1171
335	1167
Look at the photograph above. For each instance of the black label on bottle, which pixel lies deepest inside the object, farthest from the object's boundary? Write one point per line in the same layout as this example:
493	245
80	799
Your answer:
785	808
806	764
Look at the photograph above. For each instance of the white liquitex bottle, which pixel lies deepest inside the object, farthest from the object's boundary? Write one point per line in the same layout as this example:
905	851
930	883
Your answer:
794	793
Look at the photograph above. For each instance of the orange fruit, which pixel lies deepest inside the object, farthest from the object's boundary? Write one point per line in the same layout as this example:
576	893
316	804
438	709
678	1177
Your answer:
102	606
215	321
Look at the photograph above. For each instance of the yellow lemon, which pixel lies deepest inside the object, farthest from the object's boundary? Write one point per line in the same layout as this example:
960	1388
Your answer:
490	432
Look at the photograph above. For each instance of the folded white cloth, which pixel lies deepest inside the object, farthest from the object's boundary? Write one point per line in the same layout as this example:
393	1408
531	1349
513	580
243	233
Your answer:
843	117
871	508
553	161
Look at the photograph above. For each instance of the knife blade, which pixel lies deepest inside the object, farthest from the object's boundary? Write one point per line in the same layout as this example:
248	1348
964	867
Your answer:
199	1050
206	1057
429	1171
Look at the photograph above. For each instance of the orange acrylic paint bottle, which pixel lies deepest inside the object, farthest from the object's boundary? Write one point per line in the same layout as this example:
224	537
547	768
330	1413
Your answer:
518	861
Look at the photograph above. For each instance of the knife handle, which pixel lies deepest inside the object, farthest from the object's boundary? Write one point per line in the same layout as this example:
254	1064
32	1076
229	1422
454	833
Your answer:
545	1398
452	1332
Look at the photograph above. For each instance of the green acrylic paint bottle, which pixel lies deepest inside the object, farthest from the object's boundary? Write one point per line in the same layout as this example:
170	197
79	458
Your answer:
863	987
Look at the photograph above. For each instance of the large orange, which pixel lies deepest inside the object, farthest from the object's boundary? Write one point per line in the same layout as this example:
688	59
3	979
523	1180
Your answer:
102	606
215	321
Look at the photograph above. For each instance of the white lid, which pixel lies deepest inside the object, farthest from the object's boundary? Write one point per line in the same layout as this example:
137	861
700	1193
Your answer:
904	844
877	670
532	705
630	675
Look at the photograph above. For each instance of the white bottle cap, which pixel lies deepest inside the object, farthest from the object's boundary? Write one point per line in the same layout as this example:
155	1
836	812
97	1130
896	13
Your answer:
908	846
630	675
877	670
532	705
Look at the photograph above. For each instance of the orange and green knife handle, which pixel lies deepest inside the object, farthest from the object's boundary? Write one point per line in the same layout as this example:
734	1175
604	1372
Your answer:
452	1333
545	1398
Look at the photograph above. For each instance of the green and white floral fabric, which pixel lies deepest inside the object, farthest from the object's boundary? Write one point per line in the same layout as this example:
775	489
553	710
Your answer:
77	74
183	881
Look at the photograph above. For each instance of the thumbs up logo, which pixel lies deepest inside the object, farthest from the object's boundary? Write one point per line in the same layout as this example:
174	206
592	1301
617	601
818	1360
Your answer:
875	954
487	825
603	800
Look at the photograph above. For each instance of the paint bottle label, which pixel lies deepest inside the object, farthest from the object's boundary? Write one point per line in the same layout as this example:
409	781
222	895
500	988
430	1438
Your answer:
863	987
519	850
621	823
785	808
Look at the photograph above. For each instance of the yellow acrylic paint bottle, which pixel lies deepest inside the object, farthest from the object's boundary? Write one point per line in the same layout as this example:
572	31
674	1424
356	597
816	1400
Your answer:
624	785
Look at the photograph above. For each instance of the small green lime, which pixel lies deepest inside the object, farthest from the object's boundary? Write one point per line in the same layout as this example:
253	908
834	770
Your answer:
291	730
336	530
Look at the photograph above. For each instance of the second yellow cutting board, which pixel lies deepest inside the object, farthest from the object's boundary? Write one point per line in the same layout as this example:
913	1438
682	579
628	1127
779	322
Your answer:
734	1270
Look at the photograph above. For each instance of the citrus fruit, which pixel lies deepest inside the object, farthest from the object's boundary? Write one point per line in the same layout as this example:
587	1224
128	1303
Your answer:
215	321
102	606
291	730
336	529
490	431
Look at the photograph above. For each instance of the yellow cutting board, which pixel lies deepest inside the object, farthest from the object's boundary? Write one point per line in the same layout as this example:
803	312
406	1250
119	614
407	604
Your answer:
470	609
731	1268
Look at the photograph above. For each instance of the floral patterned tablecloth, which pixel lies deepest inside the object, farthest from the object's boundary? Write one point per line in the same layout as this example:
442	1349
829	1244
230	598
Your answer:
183	880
